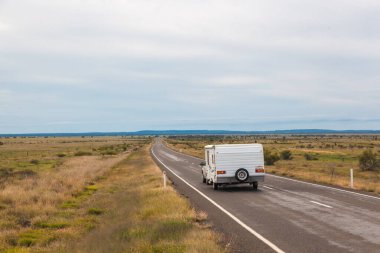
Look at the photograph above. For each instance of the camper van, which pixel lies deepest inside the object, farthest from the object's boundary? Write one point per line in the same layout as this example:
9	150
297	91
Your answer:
233	164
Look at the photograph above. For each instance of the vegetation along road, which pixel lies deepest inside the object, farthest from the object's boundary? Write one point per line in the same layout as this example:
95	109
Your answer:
284	215
85	194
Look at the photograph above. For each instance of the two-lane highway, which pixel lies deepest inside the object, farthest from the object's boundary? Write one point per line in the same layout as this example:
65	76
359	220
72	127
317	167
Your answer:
284	215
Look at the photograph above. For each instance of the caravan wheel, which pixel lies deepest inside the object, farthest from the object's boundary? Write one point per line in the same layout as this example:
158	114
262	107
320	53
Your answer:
241	175
204	179
215	186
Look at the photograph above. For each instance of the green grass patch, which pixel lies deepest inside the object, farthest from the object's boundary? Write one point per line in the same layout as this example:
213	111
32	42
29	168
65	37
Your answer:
17	250
30	238
135	233
70	204
87	223
92	188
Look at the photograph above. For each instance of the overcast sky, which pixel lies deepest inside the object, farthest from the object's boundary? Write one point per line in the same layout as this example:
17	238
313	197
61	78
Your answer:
125	65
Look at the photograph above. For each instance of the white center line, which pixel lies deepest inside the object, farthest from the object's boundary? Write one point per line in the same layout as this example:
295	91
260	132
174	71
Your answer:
268	187
315	202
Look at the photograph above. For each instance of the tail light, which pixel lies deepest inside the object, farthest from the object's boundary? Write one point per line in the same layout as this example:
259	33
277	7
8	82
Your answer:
220	172
260	169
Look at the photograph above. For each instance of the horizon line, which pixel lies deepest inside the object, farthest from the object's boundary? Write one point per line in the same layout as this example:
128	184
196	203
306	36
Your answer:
216	131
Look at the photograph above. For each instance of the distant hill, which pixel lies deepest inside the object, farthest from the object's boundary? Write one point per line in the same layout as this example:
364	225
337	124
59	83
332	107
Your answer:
195	132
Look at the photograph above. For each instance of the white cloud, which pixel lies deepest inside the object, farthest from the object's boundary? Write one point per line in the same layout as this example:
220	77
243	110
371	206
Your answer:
5	96
176	29
51	80
236	81
4	27
170	59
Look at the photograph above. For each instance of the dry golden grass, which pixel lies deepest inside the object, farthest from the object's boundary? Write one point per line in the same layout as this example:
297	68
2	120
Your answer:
32	202
97	203
32	199
335	154
42	193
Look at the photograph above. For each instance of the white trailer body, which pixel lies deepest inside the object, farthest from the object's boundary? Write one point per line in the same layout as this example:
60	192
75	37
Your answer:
233	164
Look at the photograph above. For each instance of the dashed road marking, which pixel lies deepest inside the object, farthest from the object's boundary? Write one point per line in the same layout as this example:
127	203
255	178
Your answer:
324	186
315	202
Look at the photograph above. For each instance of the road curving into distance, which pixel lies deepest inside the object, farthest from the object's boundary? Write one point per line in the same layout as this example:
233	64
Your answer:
284	215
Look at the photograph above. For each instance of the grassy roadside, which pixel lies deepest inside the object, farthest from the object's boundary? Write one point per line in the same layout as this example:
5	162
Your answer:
332	156
140	216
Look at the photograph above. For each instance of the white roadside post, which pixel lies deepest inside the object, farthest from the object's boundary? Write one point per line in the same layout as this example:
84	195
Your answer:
352	178
164	177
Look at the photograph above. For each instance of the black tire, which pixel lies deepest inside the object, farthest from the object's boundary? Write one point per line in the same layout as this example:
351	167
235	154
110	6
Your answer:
241	175
204	179
215	186
255	185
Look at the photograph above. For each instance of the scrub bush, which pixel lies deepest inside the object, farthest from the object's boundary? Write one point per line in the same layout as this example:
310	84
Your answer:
368	161
270	158
286	155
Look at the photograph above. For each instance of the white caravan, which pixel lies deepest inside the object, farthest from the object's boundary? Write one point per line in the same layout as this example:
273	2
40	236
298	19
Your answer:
233	164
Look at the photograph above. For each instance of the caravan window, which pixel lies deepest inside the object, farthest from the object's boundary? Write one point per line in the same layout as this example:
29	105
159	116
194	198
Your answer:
208	159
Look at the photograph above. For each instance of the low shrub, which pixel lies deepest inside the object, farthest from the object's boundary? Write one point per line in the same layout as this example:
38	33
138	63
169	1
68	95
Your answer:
34	161
286	155
310	157
82	153
368	161
95	211
109	152
6	172
270	158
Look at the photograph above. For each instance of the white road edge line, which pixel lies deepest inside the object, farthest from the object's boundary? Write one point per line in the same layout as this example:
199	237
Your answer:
315	202
260	237
268	187
323	186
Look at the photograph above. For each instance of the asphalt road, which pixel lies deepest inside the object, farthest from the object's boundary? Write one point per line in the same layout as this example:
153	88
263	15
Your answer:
284	215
